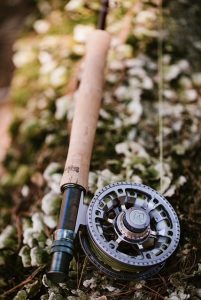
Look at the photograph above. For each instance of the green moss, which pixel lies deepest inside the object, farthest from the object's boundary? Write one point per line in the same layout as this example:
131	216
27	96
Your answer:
21	96
22	175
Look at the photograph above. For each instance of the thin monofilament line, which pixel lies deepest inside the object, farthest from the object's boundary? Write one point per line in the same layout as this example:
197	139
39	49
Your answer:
160	90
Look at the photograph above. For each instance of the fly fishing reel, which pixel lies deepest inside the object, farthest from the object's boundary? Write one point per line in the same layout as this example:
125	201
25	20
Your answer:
131	231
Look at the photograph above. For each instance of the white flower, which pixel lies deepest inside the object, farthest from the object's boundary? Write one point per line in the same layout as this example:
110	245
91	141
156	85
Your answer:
21	295
41	26
28	237
91	283
140	31
122	92
134	82
48	67
138	72
112	77
36	256
82	32
110	288
145	16
181	180
134	62
25	191
5	235
124	51
44	57
105	177
136	179
58	76
50	221
185	82
22	58
190	95
116	65
171	72
197	79
183	65
169	94
52	168
135	110
171	191
74	5
131	148
147	83
92	181
37	219
78	49
62	105
50	203
25	256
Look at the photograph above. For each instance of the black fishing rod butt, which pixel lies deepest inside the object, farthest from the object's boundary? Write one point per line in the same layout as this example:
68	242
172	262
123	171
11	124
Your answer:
59	267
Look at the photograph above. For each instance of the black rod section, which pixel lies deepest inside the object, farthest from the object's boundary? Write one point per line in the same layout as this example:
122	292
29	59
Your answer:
103	14
63	244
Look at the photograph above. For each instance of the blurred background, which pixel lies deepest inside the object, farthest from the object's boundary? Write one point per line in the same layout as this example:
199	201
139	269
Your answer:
41	48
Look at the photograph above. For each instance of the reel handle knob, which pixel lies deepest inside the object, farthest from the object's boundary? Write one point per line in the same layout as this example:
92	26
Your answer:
86	113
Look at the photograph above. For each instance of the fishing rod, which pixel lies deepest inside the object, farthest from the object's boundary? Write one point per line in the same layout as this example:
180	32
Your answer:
129	230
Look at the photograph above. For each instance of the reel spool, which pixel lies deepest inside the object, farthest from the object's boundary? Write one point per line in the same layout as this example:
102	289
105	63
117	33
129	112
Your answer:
131	231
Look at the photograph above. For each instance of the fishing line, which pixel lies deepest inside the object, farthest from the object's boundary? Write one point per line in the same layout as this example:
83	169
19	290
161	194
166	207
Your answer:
160	91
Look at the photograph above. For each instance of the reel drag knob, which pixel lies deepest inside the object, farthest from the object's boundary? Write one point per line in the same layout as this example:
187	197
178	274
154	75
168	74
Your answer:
131	231
136	219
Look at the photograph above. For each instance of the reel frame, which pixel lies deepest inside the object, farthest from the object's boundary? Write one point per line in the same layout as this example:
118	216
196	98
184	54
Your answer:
147	244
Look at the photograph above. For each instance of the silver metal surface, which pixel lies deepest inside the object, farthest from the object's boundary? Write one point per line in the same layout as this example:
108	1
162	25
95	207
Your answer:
131	225
64	234
82	213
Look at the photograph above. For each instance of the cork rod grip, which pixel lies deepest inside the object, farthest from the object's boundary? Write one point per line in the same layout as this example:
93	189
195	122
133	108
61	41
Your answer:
86	113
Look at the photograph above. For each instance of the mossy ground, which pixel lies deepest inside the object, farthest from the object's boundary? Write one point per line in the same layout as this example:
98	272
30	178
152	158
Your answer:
47	58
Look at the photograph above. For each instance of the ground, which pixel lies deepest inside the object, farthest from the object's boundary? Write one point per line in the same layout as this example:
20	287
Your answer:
152	91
